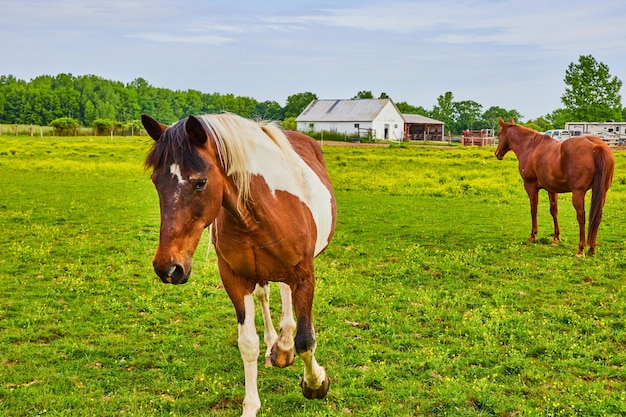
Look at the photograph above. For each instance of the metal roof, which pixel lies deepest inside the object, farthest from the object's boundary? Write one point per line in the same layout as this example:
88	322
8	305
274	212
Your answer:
419	119
357	110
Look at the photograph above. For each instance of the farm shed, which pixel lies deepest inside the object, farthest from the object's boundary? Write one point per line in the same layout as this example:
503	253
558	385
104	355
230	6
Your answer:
361	118
418	127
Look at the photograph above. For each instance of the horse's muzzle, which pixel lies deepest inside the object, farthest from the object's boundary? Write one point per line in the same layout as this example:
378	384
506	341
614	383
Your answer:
175	274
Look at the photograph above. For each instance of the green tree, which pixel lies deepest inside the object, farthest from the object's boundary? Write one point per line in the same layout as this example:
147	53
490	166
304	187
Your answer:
444	109
192	103
296	103
363	95
467	113
542	124
65	126
406	108
592	94
489	119
269	110
289	123
559	117
89	113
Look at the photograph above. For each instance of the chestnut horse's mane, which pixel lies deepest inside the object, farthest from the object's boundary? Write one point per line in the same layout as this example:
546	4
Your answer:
235	139
527	131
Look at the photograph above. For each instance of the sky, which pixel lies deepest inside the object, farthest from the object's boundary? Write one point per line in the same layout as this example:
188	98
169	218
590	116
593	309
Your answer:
507	53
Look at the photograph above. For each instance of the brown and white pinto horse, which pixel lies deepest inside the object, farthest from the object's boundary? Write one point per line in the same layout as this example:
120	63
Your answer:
574	165
269	202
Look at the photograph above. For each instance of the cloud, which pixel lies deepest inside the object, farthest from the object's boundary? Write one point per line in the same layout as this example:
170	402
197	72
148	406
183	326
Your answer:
546	25
189	39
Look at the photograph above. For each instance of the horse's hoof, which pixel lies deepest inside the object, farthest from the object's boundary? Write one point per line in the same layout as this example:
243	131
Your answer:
315	394
532	239
580	255
281	359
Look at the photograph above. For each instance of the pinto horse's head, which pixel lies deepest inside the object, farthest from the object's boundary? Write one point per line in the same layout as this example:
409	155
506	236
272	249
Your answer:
503	143
190	187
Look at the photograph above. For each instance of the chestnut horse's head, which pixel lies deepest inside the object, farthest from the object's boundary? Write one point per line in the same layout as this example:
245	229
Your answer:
190	186
503	143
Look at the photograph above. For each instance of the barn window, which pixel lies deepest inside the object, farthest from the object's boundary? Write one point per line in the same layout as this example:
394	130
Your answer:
356	125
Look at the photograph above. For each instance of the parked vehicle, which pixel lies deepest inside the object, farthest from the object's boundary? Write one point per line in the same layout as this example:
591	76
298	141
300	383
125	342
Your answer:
558	134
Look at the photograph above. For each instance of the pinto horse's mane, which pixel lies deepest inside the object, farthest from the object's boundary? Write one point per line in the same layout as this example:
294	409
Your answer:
174	147
235	139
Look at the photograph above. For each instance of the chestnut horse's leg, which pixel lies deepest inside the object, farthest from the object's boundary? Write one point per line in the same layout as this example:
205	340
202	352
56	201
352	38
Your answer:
315	383
554	211
282	352
241	294
262	293
578	200
533	195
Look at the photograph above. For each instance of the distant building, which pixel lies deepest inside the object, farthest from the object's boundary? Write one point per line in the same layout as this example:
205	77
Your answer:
418	127
363	118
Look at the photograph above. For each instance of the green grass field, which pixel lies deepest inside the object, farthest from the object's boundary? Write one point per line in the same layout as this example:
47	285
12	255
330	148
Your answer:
429	301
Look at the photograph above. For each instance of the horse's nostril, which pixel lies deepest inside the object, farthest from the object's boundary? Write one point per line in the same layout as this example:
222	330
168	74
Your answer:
175	274
172	270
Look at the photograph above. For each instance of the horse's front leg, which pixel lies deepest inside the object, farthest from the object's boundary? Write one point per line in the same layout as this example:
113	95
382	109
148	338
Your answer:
262	293
248	341
578	200
533	196
241	294
554	211
282	352
315	383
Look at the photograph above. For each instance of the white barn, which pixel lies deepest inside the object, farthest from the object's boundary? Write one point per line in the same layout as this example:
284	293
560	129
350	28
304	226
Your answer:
375	118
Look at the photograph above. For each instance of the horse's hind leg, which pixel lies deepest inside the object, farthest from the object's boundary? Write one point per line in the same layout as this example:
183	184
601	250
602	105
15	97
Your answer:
262	293
315	383
594	224
578	200
282	350
554	211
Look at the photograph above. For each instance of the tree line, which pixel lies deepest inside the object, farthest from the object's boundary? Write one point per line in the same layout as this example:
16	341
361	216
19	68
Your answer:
66	101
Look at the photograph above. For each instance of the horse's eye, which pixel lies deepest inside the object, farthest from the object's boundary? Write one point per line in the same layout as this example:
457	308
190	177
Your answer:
199	185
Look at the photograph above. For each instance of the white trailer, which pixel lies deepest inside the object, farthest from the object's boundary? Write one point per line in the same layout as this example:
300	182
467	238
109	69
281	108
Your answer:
613	133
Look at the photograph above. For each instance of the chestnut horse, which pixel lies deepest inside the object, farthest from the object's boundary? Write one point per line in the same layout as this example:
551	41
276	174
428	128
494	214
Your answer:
574	165
270	205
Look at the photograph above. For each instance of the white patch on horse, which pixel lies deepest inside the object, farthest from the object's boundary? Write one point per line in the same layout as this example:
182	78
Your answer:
248	342
270	163
175	171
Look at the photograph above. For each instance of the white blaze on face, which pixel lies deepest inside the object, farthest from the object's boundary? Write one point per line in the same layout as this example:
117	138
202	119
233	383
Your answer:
175	171
303	182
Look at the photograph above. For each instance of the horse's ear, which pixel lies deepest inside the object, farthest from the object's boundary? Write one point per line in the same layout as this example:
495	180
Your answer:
501	121
154	128
511	120
195	131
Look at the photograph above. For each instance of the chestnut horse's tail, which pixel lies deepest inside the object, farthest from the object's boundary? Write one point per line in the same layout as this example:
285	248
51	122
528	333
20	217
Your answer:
603	176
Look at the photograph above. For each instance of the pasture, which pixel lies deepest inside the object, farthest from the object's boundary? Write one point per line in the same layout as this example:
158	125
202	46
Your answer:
429	300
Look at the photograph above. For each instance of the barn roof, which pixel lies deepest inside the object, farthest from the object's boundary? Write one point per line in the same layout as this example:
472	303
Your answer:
357	110
419	119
